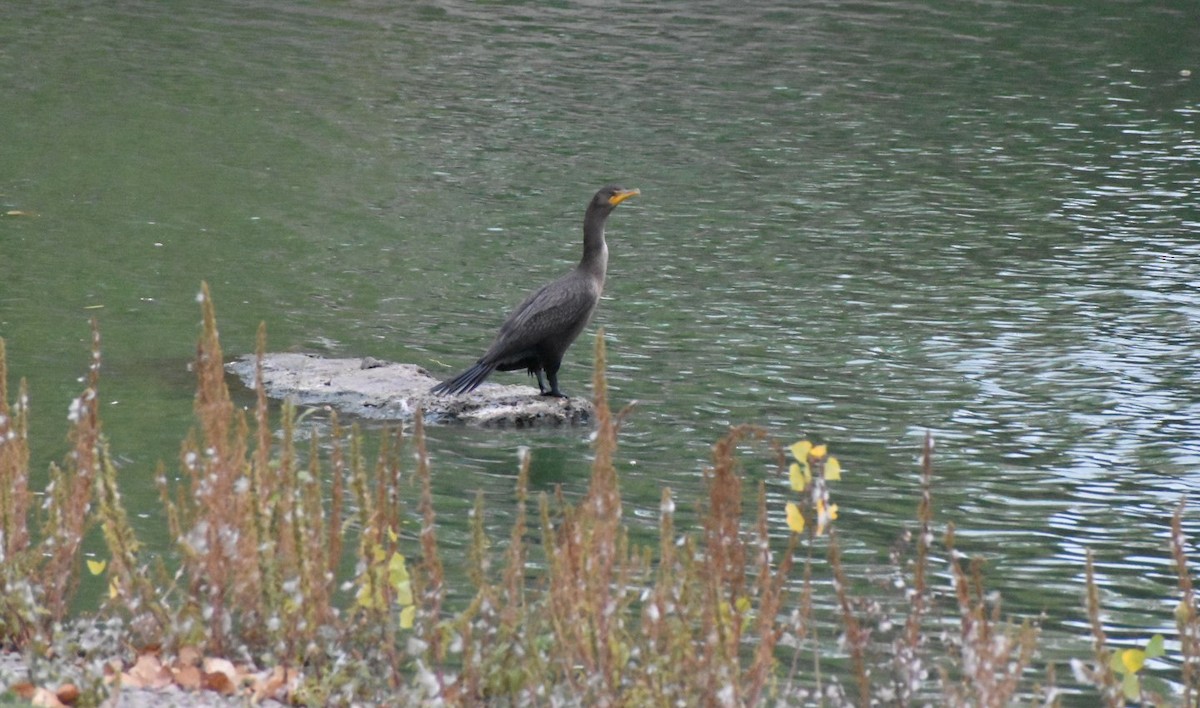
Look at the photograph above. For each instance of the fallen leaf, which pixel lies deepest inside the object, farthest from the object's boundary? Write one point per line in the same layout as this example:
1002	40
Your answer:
269	684
217	665
147	672
188	656
188	677
219	675
128	681
218	682
68	693
45	697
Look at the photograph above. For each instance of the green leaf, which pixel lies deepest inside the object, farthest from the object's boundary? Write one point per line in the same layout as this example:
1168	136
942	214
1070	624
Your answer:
1155	648
1131	687
1116	662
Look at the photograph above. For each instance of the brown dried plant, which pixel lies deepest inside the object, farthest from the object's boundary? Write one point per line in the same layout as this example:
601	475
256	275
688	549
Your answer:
1187	620
18	601
992	654
70	491
584	560
267	522
14	467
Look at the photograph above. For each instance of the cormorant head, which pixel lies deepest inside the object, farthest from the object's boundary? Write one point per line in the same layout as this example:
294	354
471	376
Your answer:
609	197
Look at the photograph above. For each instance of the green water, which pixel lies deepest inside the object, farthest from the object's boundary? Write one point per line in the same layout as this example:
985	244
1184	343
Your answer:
858	221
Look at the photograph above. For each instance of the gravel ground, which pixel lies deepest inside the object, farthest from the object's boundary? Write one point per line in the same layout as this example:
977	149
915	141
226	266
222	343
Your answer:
13	670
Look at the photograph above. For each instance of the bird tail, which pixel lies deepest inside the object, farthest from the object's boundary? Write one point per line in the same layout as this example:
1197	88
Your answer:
465	382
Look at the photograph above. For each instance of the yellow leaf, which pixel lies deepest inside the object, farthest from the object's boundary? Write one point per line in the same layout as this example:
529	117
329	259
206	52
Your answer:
800	450
742	604
397	572
404	593
399	579
407	615
370	593
795	520
392	534
797	477
1133	659
833	469
366	598
112	588
819	451
825	514
96	567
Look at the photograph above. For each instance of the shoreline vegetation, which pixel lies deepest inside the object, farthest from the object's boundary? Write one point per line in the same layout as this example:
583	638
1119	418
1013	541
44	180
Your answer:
301	572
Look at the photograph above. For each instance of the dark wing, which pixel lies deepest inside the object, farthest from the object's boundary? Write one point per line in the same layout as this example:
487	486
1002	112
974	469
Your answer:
556	312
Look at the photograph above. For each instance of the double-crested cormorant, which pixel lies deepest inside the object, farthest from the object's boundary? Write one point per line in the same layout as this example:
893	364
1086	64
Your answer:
536	335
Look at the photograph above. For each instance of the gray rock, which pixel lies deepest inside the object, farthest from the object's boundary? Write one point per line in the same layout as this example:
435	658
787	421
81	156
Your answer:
377	390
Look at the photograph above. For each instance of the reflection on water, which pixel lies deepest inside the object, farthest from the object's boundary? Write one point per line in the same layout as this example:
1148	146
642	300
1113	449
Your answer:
858	222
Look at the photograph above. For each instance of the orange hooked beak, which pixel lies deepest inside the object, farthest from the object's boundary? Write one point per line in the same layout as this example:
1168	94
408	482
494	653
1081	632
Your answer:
622	196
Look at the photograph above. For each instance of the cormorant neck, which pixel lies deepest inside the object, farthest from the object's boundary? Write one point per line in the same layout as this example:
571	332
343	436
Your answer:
595	251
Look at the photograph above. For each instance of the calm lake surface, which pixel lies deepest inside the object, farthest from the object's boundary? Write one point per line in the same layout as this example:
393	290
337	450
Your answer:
859	221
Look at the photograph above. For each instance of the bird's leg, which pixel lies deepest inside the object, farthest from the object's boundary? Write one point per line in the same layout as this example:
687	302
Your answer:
552	374
541	381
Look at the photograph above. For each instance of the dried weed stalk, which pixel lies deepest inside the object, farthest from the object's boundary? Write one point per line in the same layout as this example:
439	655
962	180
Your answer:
262	519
